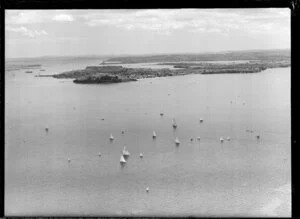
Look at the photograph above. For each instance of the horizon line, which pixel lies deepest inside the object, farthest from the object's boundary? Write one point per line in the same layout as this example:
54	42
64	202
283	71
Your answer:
144	54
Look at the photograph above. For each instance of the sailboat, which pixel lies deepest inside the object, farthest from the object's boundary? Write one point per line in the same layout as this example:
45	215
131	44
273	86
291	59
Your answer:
174	124
221	139
177	142
122	159
154	134
201	120
125	152
111	137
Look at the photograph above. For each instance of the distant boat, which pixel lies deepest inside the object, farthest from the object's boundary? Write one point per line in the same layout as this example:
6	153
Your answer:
161	114
141	155
125	152
192	139
122	159
228	138
177	142
147	189
198	138
46	129
69	160
221	139
258	136
111	137
28	71
42	70
201	120
99	154
174	124
154	134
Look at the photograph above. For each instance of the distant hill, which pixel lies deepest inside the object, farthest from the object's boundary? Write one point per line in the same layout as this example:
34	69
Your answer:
262	55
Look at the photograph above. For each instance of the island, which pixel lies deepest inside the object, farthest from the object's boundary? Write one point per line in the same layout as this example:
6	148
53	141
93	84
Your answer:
232	63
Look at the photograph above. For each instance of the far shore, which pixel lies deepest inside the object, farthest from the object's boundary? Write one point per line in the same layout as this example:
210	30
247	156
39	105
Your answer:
224	63
117	74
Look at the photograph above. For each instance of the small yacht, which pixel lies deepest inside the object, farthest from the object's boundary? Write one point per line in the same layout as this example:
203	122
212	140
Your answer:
122	159
174	124
99	154
46	129
257	136
221	139
228	138
177	142
201	120
147	189
141	155
192	139
69	160
111	137
198	138
154	134
161	114
125	152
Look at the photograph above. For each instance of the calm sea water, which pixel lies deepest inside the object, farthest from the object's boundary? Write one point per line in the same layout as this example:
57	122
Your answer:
241	177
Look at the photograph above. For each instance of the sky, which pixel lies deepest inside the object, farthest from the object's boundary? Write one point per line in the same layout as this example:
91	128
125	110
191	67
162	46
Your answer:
34	33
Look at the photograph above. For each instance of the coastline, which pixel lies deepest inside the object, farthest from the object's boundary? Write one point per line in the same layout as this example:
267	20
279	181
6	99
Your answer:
120	74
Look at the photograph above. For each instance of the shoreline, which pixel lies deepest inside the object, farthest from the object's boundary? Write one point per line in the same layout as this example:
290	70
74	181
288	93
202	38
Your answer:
120	74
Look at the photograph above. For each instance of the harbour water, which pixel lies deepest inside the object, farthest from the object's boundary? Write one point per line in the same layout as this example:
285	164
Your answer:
245	176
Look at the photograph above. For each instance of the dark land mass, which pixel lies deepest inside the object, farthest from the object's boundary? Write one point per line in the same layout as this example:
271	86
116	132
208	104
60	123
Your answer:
116	74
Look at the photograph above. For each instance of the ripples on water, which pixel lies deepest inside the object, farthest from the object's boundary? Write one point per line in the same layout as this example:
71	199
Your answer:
243	176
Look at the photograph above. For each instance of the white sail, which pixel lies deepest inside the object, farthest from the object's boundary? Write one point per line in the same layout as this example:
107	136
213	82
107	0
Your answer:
125	152
111	137
154	134
174	123
122	159
177	141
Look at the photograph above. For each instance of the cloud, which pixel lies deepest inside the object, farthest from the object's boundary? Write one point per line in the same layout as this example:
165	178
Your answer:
218	21
23	17
164	21
27	32
63	17
14	17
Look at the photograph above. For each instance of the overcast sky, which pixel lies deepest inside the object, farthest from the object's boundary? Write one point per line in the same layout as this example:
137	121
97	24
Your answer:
31	33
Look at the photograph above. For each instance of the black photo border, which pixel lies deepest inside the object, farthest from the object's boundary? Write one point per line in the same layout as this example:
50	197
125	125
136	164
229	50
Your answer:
294	6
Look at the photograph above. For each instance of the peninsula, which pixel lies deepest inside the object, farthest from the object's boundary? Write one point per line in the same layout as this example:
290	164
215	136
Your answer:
179	65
